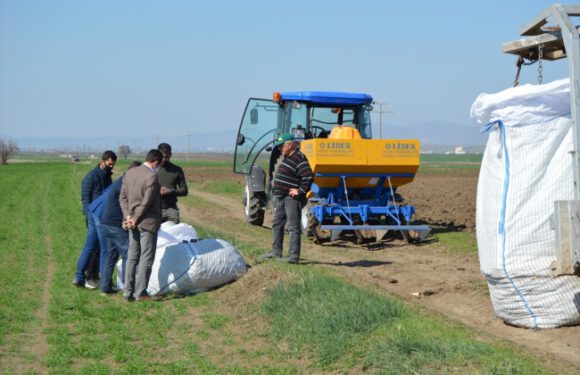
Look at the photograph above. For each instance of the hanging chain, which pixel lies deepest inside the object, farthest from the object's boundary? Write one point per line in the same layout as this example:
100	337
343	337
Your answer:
519	62
530	60
540	67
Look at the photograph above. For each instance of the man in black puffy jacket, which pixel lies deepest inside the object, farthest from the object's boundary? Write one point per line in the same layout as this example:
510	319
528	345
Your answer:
93	184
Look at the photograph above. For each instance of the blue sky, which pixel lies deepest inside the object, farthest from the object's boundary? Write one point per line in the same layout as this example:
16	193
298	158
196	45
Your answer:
79	68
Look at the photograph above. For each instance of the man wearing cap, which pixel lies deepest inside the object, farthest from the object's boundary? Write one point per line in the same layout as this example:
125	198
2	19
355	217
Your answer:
292	180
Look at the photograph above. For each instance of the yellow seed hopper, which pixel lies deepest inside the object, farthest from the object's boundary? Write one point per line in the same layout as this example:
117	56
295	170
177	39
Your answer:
363	160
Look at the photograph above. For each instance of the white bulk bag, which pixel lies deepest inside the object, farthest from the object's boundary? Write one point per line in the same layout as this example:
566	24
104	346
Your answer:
184	265
526	167
170	233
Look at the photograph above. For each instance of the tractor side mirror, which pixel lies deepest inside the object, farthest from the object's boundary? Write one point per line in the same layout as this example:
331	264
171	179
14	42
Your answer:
241	139
253	116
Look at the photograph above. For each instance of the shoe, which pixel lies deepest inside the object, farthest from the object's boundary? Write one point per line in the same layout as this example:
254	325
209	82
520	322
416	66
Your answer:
91	284
109	292
129	298
288	260
270	255
78	284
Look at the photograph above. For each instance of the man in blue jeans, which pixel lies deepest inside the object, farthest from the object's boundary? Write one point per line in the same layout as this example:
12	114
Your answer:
93	185
115	238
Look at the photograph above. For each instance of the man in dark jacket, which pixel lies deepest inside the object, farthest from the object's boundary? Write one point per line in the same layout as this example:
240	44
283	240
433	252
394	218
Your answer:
93	185
292	180
173	185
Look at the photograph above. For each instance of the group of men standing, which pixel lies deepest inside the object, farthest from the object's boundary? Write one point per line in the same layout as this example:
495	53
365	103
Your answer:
123	219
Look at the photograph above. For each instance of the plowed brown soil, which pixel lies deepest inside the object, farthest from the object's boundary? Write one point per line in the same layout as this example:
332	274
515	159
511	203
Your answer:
444	199
428	274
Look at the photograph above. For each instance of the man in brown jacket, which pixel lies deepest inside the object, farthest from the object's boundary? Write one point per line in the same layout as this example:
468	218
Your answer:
140	201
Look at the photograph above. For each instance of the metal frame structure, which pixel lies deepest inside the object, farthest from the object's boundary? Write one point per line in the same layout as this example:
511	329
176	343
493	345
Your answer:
560	39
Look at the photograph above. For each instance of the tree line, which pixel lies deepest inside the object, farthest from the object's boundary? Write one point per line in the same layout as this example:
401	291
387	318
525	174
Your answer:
9	148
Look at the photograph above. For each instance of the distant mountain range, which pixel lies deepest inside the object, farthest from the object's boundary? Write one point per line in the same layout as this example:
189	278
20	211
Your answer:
219	141
434	137
439	136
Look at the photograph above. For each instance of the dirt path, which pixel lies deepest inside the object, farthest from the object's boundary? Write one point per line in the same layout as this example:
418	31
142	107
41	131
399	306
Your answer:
428	275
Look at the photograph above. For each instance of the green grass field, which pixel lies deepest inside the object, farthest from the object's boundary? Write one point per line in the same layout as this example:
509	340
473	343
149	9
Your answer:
451	158
305	321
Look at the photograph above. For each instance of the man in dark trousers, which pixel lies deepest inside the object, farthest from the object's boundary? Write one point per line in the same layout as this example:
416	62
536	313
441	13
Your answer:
140	201
292	180
115	238
93	185
173	185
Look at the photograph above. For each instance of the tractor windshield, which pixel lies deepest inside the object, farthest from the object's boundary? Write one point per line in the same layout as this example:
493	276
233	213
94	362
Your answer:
318	121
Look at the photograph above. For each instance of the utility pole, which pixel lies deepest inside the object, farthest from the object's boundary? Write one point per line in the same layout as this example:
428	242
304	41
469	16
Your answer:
188	136
380	112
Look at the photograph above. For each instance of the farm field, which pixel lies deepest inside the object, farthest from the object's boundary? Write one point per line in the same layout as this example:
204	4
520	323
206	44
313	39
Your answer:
444	271
389	307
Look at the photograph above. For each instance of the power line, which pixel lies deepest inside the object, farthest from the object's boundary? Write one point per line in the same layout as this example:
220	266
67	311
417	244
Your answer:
380	112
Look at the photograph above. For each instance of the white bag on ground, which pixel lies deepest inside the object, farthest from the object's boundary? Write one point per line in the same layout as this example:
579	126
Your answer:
183	266
526	167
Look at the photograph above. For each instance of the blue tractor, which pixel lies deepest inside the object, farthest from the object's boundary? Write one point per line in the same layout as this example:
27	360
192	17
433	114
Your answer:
356	177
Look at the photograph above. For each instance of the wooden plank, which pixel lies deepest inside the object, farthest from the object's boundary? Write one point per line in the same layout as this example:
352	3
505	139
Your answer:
552	41
555	55
527	43
567	225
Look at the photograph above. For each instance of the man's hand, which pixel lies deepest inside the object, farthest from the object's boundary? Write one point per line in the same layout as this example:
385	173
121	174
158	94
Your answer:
293	192
165	191
130	223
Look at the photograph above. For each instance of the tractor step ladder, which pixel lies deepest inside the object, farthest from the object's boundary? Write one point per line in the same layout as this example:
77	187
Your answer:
559	40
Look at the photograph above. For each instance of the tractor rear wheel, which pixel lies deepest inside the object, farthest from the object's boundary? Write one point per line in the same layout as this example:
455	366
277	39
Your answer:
254	205
311	226
308	222
305	220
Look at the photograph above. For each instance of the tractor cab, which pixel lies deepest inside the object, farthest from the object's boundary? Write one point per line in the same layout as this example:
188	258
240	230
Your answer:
305	114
